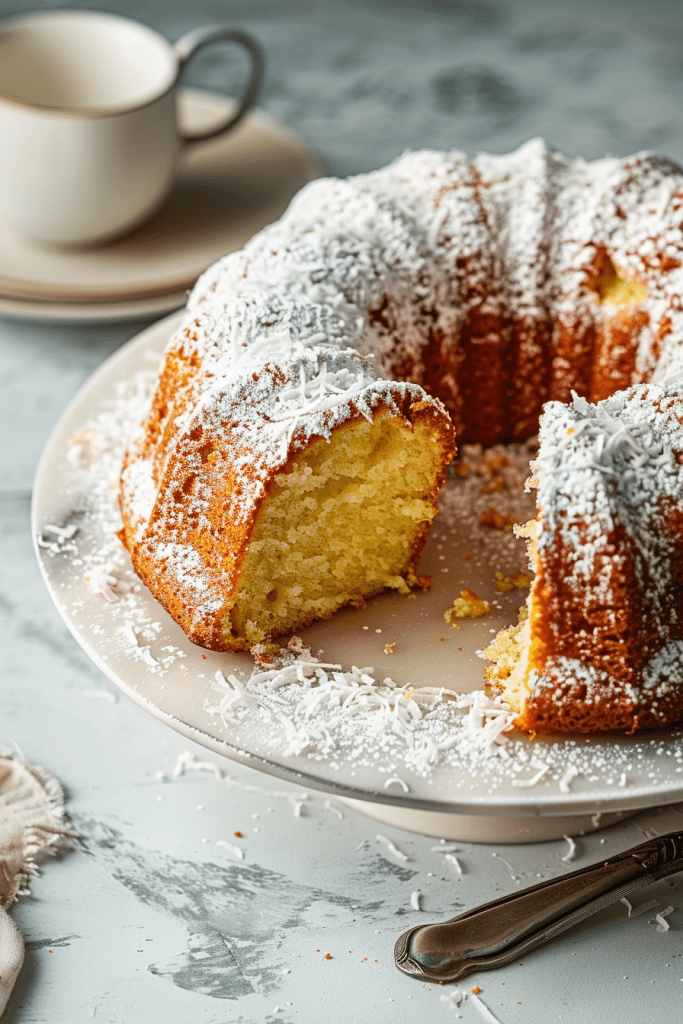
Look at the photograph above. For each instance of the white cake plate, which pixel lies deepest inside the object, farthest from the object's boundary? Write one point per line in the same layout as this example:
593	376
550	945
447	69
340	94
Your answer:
158	668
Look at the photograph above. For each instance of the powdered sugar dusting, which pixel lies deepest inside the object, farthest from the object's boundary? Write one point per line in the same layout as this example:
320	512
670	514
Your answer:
371	279
411	244
611	494
335	715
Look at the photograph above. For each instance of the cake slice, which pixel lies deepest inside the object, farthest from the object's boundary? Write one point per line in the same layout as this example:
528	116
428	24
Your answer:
290	490
601	642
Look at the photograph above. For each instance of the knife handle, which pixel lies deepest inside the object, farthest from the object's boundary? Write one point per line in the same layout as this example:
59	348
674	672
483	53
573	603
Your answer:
500	931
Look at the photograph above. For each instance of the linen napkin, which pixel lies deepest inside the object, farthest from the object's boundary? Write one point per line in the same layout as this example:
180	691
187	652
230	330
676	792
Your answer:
31	824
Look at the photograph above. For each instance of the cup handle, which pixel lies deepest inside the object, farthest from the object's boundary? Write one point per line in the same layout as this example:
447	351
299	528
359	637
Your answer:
192	43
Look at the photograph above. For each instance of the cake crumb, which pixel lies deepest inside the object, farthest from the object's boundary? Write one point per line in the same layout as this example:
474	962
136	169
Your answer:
495	520
522	581
494	460
468	606
494	485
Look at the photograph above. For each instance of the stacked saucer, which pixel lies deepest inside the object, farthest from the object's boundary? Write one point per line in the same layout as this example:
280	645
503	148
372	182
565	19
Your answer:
226	190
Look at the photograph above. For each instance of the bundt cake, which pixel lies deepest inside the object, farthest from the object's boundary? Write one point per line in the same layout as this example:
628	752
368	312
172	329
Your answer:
601	644
303	419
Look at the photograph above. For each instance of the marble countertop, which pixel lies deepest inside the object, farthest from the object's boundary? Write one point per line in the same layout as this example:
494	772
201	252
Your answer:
147	919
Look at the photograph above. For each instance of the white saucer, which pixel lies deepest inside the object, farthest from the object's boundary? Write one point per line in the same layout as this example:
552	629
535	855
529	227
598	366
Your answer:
227	189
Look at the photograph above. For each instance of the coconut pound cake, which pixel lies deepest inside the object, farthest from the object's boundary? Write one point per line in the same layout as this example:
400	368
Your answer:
601	644
303	419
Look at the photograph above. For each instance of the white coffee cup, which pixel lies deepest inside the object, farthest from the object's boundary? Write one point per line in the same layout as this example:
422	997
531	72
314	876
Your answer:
89	136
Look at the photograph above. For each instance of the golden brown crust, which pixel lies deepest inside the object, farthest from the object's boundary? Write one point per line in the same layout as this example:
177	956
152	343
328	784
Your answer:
492	318
205	458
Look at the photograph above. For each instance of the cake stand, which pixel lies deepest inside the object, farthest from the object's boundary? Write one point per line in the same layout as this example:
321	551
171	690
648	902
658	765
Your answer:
590	781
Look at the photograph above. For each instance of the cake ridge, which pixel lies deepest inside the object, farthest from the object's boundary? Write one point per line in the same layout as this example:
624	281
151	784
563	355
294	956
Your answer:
439	286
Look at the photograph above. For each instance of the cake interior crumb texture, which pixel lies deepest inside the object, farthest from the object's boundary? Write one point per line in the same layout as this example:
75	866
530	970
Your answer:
510	653
342	522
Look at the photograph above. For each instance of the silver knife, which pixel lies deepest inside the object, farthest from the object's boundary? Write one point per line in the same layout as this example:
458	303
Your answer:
499	932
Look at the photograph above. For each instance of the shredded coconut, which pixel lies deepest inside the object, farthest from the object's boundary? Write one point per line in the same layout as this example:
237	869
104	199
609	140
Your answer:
510	868
103	694
453	998
640	909
236	851
329	806
188	762
662	924
543	770
571	852
392	848
567	778
395	781
452	859
483	1009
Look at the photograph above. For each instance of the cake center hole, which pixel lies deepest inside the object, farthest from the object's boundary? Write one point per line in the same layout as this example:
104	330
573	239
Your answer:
612	286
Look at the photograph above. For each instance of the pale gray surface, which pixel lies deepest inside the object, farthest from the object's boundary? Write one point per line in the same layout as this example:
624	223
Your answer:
145	921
